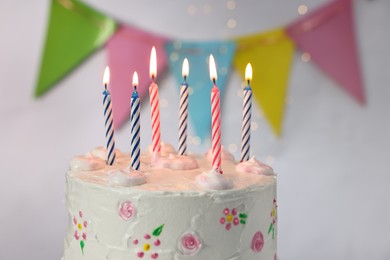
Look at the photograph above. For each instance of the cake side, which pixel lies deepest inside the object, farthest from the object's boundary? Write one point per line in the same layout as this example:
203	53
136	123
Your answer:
170	217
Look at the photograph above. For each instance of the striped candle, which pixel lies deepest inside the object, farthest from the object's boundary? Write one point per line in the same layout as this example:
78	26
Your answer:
246	116
154	105
110	142
135	126
215	118
183	116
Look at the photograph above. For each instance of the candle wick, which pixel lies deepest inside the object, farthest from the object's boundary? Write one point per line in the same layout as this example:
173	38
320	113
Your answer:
105	86
185	78
214	81
135	87
152	78
248	82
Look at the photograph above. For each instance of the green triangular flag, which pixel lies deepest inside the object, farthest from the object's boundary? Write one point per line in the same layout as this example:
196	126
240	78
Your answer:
74	32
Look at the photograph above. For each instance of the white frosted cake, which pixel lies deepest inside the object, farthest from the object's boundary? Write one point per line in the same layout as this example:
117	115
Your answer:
169	215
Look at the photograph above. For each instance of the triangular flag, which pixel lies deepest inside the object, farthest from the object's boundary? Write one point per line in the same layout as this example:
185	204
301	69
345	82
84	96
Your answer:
199	80
129	51
328	35
271	55
75	31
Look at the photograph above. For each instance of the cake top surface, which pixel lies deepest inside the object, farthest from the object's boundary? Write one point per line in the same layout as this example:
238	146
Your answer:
169	174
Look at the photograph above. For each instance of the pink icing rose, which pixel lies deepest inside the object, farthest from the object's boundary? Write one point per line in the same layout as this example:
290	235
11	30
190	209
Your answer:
127	210
189	244
257	242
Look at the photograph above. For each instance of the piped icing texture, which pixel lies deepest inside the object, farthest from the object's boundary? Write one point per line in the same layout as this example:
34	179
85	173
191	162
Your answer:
254	166
170	216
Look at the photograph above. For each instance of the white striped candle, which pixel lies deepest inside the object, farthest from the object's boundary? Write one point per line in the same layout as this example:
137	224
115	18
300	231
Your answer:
215	118
110	141
183	115
135	125
154	105
246	116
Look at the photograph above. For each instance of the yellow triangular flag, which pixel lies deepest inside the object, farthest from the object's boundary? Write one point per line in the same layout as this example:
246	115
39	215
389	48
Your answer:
270	54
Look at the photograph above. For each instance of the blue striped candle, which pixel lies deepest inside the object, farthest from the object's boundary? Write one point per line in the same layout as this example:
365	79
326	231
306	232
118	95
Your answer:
110	141
135	126
183	115
246	116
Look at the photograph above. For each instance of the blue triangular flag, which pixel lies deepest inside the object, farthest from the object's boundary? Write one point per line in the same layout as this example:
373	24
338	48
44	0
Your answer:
198	54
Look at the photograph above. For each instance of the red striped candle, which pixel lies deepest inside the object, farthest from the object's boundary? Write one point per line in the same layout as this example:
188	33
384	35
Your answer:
154	105
215	117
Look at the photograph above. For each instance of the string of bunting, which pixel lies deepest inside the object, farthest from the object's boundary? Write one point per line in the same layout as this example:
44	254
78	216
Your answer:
326	35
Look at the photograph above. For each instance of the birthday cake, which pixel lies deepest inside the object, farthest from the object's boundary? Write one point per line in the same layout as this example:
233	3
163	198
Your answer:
167	213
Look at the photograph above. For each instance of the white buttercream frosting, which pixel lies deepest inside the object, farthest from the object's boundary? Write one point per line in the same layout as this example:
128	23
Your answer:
225	155
86	162
254	166
175	162
214	180
126	178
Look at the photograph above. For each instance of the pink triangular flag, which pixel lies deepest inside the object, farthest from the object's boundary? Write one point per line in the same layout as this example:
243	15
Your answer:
328	35
129	51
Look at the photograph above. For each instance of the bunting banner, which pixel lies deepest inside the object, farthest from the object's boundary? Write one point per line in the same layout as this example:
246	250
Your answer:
199	77
128	51
270	55
328	36
74	32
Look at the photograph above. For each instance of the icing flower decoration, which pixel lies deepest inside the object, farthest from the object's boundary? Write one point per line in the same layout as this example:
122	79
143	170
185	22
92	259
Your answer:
257	242
232	218
127	210
189	244
80	229
274	216
148	243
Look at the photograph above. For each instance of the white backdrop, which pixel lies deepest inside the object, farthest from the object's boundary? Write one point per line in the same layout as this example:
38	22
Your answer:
332	161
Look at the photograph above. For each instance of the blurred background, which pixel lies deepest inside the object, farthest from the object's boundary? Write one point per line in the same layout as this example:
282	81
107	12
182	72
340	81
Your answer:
331	159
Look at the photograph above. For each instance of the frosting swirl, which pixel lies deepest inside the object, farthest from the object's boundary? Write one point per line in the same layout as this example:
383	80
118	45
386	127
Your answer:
213	180
86	163
127	210
257	242
225	155
254	166
189	244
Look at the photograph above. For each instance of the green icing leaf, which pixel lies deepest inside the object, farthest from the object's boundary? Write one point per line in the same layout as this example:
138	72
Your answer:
82	244
243	215
158	231
242	221
270	228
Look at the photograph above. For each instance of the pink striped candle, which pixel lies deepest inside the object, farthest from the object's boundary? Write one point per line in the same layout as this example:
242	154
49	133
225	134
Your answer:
154	105
215	118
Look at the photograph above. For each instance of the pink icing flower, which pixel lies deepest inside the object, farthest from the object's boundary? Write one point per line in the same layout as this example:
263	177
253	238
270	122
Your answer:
257	242
189	244
126	210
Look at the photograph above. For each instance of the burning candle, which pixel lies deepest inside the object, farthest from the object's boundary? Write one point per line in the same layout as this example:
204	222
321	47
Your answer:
110	142
135	125
246	116
183	110
215	117
154	105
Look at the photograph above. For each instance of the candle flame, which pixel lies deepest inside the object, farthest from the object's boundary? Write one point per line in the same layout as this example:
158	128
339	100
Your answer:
153	63
248	72
185	68
106	76
135	79
213	69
